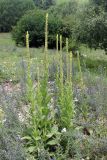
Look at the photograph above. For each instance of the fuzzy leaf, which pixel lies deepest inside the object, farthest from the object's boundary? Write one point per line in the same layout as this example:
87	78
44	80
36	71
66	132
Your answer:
31	149
37	138
50	135
52	142
26	138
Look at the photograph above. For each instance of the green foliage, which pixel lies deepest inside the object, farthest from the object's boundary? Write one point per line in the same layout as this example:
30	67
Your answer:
91	28
41	131
11	11
34	22
64	88
67	121
64	9
44	4
41	127
102	3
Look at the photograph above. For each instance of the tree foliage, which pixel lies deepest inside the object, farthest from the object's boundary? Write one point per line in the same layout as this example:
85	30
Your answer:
64	9
11	11
102	3
34	22
91	27
44	4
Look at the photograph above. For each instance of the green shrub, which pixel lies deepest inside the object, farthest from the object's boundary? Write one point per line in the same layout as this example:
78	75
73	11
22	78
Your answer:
34	22
11	11
44	4
91	27
64	9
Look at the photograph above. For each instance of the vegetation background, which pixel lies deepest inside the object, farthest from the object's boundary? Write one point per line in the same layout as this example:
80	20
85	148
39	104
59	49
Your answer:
53	79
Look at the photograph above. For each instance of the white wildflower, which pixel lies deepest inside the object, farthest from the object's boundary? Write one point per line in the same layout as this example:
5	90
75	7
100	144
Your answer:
10	80
63	130
75	99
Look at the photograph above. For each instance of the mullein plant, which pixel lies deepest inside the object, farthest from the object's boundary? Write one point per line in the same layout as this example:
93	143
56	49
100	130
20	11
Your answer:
29	83
57	57
46	44
67	60
42	131
48	130
31	126
68	109
44	81
65	92
61	78
69	93
61	75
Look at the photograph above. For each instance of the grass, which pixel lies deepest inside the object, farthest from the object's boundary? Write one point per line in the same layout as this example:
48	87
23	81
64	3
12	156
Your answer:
66	120
94	59
62	1
11	56
79	1
93	54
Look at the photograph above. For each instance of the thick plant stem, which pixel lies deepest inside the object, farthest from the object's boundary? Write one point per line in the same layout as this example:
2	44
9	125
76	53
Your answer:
30	90
46	42
28	52
67	60
61	86
61	62
57	59
70	67
27	45
70	93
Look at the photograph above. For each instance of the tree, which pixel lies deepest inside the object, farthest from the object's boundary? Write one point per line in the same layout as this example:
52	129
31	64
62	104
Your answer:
64	9
11	11
34	22
44	4
91	28
102	3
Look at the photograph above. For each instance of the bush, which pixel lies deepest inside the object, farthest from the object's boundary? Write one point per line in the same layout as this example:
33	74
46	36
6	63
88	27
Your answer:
34	22
44	4
91	28
65	9
11	11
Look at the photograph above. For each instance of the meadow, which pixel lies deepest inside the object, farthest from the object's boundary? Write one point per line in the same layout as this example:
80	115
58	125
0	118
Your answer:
11	56
53	80
53	104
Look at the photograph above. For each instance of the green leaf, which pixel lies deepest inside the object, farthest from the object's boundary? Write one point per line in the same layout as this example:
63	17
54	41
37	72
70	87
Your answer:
26	138
37	138
52	142
50	135
55	129
31	149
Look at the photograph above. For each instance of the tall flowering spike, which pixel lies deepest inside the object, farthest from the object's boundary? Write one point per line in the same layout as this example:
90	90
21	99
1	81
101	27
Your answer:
57	57
70	68
61	64
46	33
27	44
46	41
67	60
